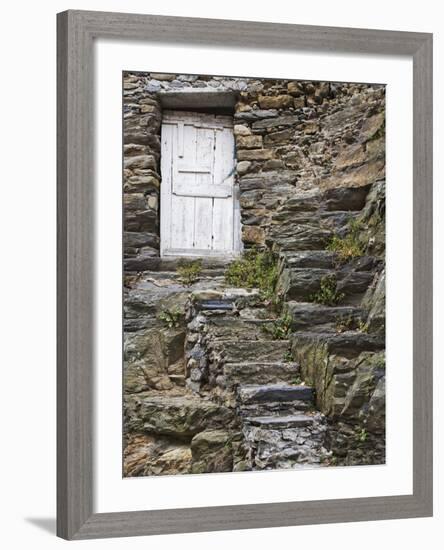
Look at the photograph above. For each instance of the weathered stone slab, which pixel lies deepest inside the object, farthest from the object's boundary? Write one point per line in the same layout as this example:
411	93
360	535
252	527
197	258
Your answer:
252	234
297	237
273	392
261	373
181	417
140	161
146	455
254	154
140	239
303	284
143	220
346	198
256	114
279	121
281	422
282	136
310	316
347	344
275	102
248	142
212	452
369	371
323	259
239	351
374	303
226	328
286	442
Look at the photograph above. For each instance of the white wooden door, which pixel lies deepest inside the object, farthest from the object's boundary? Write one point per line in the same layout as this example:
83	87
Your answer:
199	209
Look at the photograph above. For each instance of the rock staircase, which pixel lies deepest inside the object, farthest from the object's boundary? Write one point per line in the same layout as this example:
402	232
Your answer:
333	343
286	393
234	359
280	426
241	398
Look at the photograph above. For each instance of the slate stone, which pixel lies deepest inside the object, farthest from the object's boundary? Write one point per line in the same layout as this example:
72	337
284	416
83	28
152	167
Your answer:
274	392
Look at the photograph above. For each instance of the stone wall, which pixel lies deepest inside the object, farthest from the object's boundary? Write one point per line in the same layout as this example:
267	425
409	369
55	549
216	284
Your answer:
291	136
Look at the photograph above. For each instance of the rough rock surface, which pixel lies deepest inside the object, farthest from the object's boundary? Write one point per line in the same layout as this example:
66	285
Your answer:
207	387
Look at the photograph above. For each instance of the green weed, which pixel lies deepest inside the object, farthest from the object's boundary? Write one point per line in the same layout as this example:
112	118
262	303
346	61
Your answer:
189	273
361	435
327	294
350	246
171	317
256	269
280	328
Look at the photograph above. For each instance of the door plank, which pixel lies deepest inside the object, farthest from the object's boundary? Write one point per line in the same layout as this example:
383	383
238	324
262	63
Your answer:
166	162
183	208
223	208
203	220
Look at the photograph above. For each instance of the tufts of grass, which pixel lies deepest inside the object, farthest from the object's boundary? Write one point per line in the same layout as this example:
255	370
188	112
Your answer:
361	435
256	269
172	318
280	329
363	326
343	324
328	294
350	246
189	273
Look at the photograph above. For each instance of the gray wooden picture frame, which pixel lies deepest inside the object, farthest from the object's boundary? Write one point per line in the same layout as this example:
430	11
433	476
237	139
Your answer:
76	32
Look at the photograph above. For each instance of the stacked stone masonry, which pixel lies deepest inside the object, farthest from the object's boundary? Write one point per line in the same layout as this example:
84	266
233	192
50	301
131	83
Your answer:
206	387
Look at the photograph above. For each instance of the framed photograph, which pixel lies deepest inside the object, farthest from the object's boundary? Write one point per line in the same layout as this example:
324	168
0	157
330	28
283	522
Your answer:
244	275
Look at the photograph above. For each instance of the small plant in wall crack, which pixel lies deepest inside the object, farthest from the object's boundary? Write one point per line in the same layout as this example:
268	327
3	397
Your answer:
256	269
288	357
328	294
279	329
350	246
363	326
361	435
189	273
343	324
172	318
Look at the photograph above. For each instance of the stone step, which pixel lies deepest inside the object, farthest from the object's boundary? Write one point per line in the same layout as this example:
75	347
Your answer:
239	351
170	264
281	422
274	408
302	284
255	393
323	259
255	400
347	199
286	441
228	299
308	316
316	347
286	221
255	313
302	236
225	327
261	373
